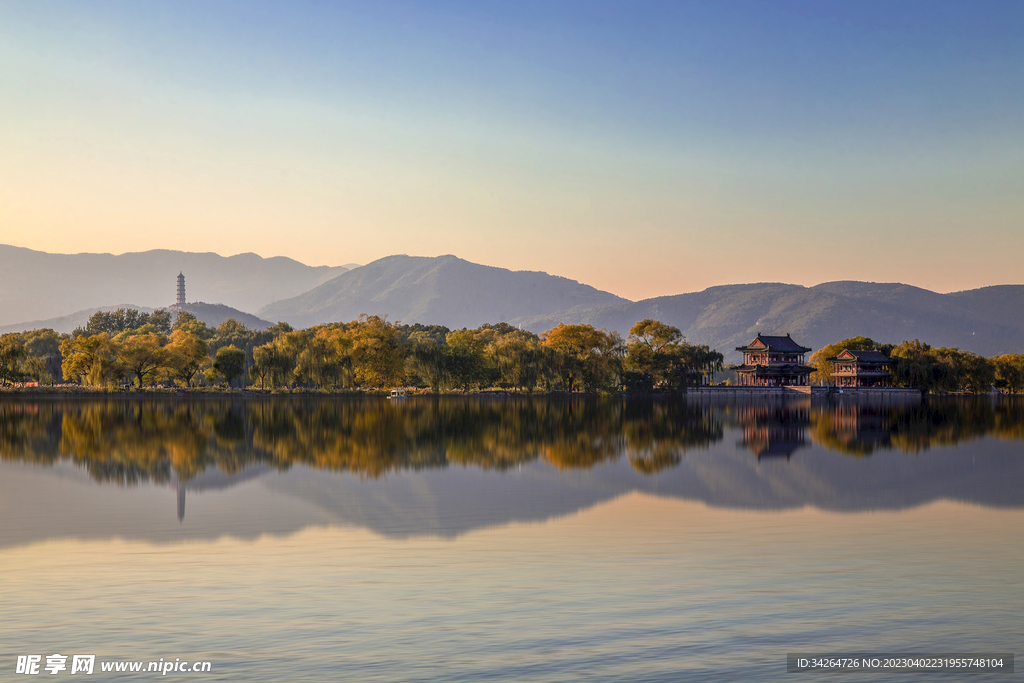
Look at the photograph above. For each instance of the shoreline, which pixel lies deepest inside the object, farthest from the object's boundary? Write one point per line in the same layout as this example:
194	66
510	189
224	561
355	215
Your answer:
703	392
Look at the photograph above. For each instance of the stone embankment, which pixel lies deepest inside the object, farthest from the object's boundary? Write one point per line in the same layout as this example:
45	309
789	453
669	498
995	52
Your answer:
873	393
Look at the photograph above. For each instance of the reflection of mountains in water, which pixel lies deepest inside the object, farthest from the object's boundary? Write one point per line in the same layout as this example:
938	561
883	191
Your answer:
459	500
529	460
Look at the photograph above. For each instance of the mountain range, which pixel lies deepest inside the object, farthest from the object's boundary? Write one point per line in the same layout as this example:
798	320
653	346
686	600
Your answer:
445	290
989	321
450	291
37	286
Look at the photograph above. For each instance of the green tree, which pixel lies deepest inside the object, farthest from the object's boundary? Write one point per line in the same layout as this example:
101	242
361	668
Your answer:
1009	372
657	354
43	361
232	333
188	322
518	357
12	353
115	322
161	320
702	361
655	335
229	363
262	368
466	359
652	349
429	360
941	369
325	359
279	359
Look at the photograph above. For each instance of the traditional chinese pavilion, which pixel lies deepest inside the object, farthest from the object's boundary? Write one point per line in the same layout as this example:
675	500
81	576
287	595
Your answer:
773	362
861	369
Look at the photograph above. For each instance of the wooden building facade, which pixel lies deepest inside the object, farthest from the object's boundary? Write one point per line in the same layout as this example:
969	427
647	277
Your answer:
773	362
861	369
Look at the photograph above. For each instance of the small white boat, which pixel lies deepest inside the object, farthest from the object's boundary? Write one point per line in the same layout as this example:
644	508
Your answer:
397	393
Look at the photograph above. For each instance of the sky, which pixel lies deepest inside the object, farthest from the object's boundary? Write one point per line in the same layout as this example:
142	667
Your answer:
644	148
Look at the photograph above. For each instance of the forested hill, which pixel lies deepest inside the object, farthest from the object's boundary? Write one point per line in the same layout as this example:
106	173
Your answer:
444	290
988	321
37	285
211	314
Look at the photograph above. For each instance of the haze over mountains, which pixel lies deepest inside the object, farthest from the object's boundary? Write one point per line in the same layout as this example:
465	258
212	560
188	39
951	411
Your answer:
989	321
211	314
450	291
37	286
445	290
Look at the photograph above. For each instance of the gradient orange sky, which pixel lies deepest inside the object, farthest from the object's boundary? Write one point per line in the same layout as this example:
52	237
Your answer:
645	149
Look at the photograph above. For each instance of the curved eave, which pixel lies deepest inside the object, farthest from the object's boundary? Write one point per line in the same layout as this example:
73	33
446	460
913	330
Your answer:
752	349
776	369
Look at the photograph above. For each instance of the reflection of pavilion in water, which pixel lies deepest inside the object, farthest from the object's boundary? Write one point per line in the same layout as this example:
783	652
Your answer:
774	430
853	429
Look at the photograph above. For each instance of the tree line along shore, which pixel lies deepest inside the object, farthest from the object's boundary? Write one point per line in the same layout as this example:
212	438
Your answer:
166	442
153	351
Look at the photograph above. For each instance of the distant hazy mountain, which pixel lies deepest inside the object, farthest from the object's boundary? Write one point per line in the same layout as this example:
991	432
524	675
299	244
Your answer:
444	290
450	291
211	314
36	285
66	324
987	321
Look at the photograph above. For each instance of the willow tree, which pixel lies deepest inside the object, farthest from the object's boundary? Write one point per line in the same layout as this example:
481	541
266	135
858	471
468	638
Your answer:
378	356
586	358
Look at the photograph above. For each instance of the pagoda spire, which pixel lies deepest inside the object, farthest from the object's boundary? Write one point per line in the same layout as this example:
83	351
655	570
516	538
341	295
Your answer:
181	289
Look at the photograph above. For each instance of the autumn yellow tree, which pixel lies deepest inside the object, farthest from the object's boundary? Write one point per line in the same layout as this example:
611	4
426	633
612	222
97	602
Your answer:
91	360
586	358
187	354
142	354
377	354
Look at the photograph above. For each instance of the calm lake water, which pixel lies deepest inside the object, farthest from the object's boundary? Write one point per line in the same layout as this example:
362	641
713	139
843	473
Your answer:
508	539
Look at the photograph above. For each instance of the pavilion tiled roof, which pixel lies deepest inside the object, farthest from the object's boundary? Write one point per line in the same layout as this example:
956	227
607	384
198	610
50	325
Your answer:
866	356
773	343
774	370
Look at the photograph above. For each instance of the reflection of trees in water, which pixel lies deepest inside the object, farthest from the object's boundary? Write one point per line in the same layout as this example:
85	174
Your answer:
854	430
660	442
864	429
374	438
163	441
129	441
29	433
